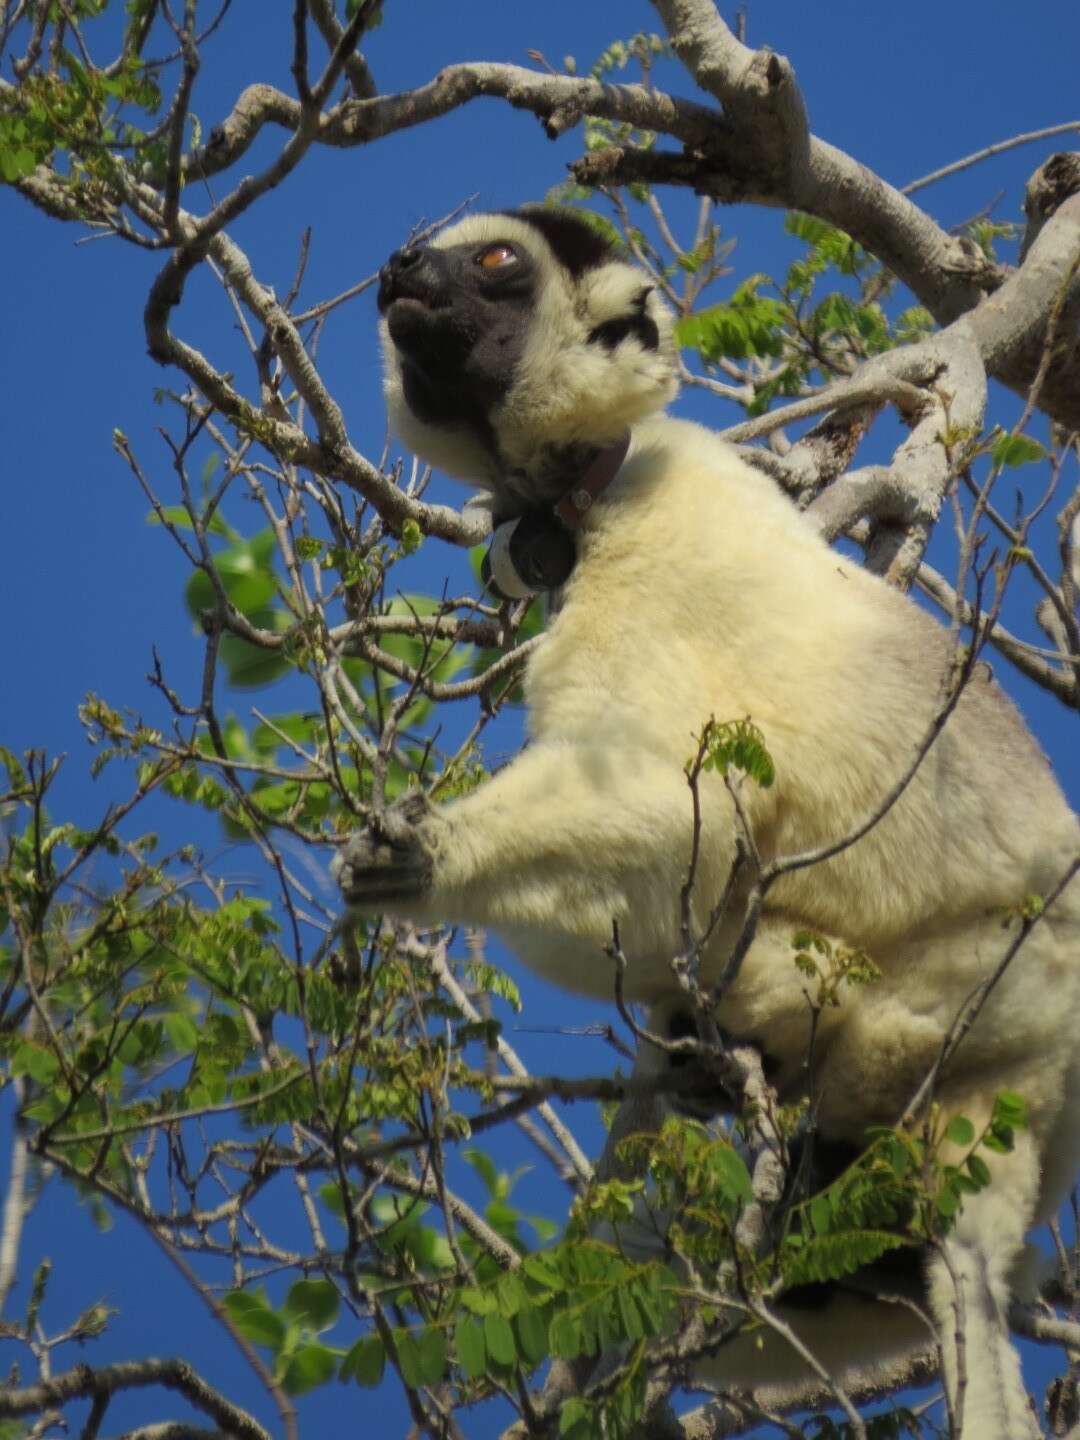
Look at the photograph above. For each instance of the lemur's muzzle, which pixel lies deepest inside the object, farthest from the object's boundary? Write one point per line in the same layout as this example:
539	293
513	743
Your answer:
418	273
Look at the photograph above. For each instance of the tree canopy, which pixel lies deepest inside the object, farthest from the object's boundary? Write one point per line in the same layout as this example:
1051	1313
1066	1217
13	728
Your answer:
357	1154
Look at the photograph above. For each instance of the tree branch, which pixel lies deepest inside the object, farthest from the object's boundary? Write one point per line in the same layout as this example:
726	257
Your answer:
85	1382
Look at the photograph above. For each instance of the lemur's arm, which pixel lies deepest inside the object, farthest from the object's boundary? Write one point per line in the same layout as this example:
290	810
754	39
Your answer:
568	836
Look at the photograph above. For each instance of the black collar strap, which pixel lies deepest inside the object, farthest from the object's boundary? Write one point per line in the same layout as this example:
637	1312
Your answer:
536	551
571	509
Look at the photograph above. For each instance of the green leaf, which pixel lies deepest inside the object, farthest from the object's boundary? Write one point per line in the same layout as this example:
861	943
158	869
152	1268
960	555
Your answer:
313	1303
633	1327
747	325
836	312
15	163
808	227
411	537
430	1249
494	981
410	1361
576	1420
214	1082
1000	1140
963	1184
948	1202
480	1302
541	1268
1014	450
979	1171
1010	1109
545	1228
728	1172
532	1333
308	547
566	1335
649	1303
960	1131
831	1257
739	745
245	577
309	1366
821	1214
499	1338
37	1062
182	1032
897	1155
177	515
331	1197
511	1295
470	1347
15	772
250	666
504	1218
485	1167
828	246
252	1315
365	1362
431	1345
297	725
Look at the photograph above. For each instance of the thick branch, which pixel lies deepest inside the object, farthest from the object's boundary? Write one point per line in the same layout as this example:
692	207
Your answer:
746	159
16	1206
908	493
559	101
1010	326
765	153
1047	673
757	153
756	88
86	1381
1045	1329
726	1419
758	150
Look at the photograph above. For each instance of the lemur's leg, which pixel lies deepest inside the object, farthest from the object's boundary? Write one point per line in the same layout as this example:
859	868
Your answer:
969	1285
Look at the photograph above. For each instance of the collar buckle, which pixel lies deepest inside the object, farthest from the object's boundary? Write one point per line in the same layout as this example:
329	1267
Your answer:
576	503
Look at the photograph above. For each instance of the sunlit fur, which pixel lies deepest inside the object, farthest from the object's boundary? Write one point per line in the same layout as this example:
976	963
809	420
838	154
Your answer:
700	591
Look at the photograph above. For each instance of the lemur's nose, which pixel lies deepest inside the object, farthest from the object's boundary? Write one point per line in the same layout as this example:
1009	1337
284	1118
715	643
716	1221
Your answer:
400	261
399	275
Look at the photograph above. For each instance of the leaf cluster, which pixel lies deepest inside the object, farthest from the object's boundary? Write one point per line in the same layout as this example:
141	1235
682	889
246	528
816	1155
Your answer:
737	745
796	337
79	112
831	965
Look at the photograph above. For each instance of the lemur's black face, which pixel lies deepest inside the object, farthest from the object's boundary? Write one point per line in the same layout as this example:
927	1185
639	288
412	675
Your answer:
516	346
458	317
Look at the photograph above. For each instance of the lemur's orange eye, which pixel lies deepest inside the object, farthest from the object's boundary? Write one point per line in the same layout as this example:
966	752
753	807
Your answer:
496	256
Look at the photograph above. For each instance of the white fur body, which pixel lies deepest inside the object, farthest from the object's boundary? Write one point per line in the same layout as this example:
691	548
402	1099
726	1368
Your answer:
751	614
700	592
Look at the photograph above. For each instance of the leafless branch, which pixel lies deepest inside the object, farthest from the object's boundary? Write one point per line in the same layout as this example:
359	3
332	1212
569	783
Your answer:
87	1382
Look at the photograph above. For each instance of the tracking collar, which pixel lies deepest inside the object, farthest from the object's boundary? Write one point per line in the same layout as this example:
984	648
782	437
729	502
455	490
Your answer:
536	551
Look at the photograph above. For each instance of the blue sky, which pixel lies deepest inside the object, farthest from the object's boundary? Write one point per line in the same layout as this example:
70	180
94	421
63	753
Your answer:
89	589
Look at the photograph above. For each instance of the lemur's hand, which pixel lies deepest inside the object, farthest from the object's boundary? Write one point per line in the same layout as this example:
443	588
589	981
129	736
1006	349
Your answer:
387	860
